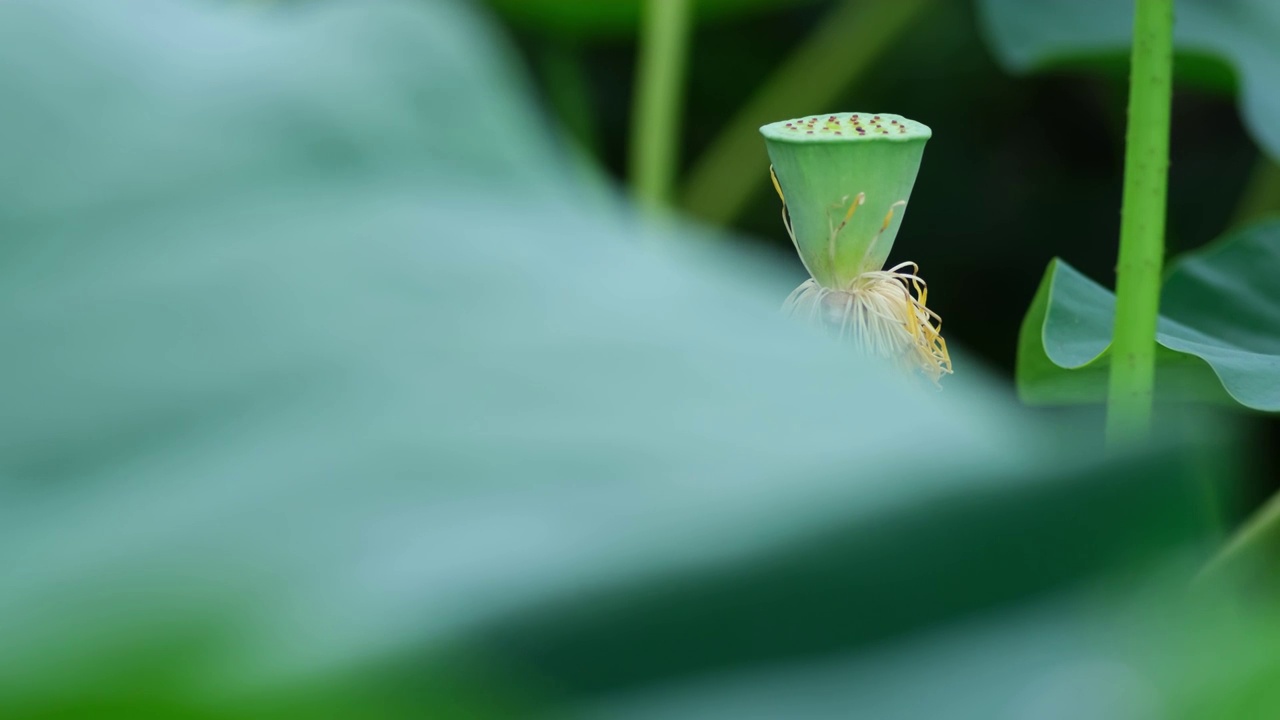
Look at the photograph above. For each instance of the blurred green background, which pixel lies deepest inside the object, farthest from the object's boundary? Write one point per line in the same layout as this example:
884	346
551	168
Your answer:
1022	167
337	384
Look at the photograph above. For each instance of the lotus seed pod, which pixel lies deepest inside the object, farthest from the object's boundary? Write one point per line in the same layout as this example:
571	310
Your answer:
845	179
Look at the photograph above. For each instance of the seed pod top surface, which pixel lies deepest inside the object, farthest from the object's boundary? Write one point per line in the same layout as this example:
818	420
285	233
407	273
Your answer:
845	178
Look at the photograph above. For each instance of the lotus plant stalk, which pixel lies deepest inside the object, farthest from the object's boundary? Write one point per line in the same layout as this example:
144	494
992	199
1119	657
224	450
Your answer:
844	181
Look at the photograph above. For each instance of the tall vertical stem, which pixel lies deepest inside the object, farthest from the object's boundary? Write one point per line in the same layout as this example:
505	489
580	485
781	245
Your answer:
1146	166
655	119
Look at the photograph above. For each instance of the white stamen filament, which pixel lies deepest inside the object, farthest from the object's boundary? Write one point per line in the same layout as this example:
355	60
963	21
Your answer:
880	315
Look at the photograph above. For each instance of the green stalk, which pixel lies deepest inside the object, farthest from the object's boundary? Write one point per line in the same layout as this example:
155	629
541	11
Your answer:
1255	548
1142	218
845	45
655	121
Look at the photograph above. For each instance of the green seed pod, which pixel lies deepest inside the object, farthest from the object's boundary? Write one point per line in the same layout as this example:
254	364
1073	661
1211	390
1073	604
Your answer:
845	180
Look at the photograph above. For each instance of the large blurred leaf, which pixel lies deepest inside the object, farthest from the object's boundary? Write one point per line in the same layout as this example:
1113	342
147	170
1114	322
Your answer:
1103	656
881	574
329	392
1219	328
1028	35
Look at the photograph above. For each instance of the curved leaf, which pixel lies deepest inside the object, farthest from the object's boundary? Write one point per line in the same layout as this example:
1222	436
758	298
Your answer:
1030	35
1219	328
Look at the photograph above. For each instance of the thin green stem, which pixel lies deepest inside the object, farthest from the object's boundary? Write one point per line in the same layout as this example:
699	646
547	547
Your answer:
1142	219
655	121
1255	545
846	44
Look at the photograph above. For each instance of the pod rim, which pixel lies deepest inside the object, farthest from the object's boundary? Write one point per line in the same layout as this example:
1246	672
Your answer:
846	127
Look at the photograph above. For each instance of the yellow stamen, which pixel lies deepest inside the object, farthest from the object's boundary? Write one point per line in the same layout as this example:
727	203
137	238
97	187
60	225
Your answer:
857	202
786	220
777	186
835	229
888	217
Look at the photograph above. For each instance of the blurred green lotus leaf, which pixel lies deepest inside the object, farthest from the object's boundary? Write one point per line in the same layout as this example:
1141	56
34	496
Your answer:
1082	655
1028	36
